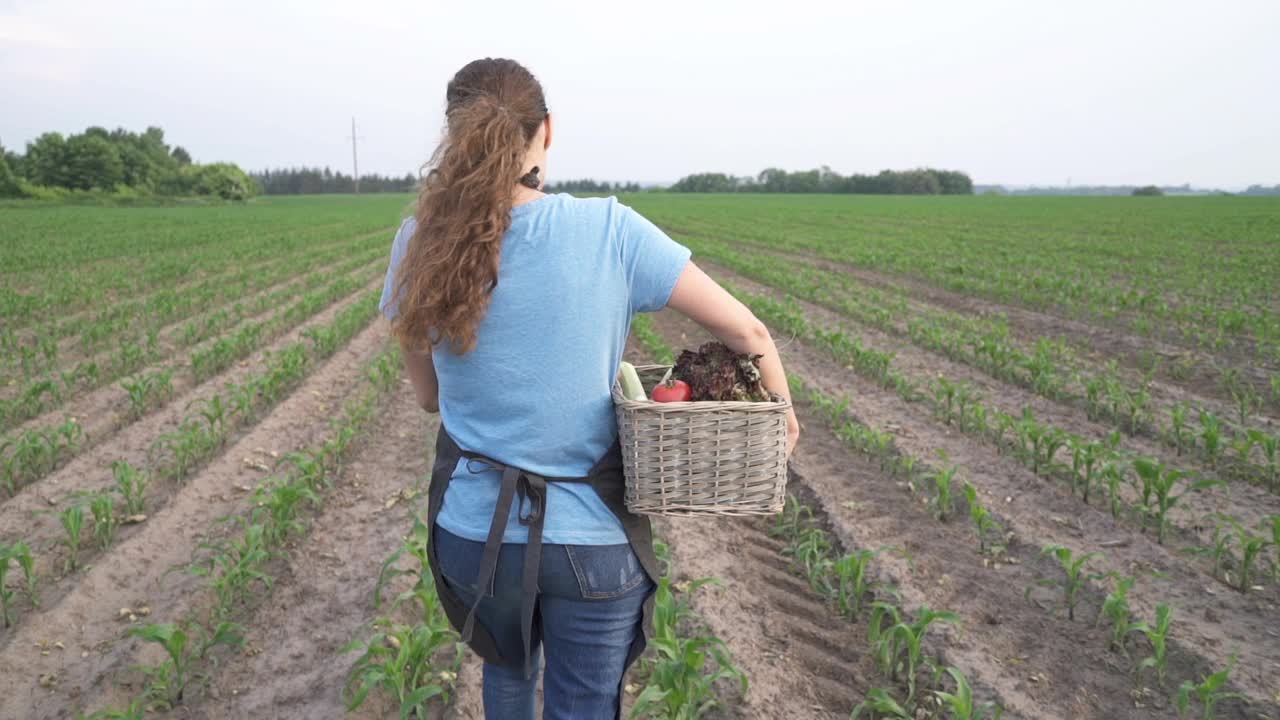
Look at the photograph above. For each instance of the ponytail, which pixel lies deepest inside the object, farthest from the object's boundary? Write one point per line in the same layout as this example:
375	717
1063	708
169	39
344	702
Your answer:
464	208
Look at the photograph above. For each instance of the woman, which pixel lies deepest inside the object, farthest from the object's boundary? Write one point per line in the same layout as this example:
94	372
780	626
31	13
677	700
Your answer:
512	308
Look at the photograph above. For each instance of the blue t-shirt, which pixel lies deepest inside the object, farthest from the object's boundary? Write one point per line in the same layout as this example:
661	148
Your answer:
535	391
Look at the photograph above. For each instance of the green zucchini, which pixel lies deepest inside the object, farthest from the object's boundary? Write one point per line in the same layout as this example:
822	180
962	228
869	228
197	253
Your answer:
630	380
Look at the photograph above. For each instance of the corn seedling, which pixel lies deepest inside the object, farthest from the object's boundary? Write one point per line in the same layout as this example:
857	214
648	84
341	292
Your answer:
943	505
1251	547
1208	692
983	523
1158	483
899	648
793	517
1179	433
960	703
884	707
72	521
131	484
1211	436
852	580
277	503
680	685
136	710
1115	608
18	554
167	681
1269	444
103	508
811	549
1158	636
1220	549
235	567
1074	577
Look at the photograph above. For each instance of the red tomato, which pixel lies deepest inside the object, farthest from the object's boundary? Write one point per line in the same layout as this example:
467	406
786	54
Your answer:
673	391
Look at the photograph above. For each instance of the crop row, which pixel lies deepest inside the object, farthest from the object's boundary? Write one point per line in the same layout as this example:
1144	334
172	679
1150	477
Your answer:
237	571
59	260
1193	271
938	486
1049	369
33	453
1089	467
144	317
202	433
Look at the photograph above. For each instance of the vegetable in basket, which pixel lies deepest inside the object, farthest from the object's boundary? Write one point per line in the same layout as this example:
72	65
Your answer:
715	372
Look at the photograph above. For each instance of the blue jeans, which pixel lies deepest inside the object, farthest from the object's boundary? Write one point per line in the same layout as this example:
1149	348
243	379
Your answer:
589	601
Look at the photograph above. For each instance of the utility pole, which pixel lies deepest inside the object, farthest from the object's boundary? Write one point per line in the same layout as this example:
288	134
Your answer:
355	163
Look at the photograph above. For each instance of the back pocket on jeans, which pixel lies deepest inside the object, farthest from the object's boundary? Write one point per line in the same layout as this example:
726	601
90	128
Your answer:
605	571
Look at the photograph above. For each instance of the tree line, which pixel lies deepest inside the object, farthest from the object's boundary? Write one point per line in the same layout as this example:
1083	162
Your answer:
311	181
590	186
920	181
117	162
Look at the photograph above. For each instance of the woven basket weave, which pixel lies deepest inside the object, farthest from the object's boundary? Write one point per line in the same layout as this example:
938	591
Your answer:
701	458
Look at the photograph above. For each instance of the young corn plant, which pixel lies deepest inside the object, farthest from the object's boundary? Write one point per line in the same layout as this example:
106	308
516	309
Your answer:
1158	636
72	520
18	554
1208	692
1211	436
186	647
131	484
680	684
811	550
943	504
405	661
1220	549
852	581
984	525
882	704
960	703
1251	548
1180	436
899	648
102	506
1115	608
1159	482
402	661
1074	576
1269	444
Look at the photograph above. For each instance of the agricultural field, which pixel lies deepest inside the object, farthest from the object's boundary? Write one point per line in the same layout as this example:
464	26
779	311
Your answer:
1038	468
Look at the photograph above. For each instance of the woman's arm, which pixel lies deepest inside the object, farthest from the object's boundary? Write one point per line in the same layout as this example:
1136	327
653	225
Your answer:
422	374
703	300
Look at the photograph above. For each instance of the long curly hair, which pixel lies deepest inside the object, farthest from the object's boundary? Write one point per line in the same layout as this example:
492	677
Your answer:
494	107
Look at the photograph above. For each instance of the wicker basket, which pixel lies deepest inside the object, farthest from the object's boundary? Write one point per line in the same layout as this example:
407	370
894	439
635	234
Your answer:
701	458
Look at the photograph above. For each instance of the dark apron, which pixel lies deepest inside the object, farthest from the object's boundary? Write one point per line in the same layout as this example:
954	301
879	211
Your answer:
607	480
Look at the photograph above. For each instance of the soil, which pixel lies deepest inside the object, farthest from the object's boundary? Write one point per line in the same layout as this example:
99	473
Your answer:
82	613
1029	659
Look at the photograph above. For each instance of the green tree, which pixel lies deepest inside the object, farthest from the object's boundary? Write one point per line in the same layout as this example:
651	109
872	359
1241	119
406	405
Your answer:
8	180
92	161
1148	191
46	160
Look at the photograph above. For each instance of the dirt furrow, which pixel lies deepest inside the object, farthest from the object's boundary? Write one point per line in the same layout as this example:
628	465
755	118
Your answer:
25	516
1199	383
323	598
69	319
801	659
1248	503
168	338
132	574
1007	642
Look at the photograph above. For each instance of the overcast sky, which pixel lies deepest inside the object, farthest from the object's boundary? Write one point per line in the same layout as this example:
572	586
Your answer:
1121	91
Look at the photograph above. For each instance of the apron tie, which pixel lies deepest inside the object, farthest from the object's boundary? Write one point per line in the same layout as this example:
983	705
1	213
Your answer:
530	488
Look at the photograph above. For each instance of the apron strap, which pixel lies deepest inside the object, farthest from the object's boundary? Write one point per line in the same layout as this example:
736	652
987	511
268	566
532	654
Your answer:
532	489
